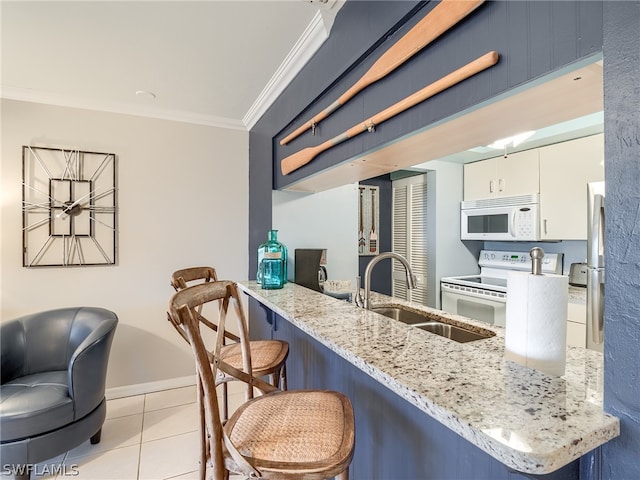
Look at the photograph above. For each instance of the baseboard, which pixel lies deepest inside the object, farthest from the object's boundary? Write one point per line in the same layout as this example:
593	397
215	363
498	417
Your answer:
150	387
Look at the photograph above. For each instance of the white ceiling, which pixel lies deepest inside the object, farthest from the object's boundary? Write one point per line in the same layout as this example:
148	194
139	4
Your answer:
210	62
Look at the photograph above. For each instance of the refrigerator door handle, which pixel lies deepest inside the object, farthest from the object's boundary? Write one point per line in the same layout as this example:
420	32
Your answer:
595	303
595	260
595	247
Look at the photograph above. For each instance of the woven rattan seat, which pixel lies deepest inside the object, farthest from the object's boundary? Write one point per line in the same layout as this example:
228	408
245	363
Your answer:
305	434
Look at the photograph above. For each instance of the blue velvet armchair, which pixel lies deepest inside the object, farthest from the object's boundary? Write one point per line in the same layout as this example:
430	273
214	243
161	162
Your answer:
52	391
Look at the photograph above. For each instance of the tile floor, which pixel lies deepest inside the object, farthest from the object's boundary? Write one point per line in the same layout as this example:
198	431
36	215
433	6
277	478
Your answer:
146	437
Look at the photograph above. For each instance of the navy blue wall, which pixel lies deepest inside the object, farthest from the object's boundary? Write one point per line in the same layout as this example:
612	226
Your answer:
532	38
621	457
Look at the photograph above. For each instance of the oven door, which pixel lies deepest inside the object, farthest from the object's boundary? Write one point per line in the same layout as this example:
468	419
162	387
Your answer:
477	303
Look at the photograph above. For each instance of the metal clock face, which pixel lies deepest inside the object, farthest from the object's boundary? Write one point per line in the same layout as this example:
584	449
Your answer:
68	207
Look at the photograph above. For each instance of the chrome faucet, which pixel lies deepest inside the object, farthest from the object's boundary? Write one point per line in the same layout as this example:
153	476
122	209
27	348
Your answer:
366	302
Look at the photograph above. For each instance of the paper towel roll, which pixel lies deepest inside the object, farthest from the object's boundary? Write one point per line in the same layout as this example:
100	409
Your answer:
536	321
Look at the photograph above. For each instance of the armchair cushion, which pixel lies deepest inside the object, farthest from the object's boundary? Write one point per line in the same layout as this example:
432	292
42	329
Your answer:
35	404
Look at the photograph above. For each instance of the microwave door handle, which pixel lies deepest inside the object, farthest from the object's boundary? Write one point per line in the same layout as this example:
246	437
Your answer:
512	222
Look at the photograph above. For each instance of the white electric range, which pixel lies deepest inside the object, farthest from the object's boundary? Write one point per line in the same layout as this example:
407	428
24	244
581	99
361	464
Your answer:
484	296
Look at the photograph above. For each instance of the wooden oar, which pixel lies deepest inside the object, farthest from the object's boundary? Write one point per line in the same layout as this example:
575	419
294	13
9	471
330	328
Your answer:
444	16
304	156
373	238
361	241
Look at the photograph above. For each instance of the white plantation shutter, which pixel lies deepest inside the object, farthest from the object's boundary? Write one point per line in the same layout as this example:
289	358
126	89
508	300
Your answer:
409	224
400	238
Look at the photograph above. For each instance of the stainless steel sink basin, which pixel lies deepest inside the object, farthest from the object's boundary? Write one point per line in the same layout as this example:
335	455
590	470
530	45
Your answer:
430	323
405	316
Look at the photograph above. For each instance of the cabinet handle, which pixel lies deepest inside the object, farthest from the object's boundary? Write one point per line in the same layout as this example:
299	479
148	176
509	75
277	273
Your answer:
501	183
545	226
490	186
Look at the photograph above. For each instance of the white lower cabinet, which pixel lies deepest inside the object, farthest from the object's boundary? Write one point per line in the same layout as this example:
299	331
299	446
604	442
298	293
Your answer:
576	324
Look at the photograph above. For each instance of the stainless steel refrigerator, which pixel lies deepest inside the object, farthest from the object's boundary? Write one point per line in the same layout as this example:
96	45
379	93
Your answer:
595	265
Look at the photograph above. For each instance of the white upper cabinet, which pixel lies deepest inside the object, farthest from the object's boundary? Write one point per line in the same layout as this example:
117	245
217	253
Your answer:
513	175
559	173
565	170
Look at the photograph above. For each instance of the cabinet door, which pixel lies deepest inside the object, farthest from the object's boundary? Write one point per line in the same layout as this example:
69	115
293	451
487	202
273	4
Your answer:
518	174
565	170
576	324
480	179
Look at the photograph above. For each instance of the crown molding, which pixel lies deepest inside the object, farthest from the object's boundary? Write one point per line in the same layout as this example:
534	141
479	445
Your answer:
47	98
309	42
311	39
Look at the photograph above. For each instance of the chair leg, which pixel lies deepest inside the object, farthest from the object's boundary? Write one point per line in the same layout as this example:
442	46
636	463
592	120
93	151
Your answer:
283	379
225	403
203	436
22	472
96	437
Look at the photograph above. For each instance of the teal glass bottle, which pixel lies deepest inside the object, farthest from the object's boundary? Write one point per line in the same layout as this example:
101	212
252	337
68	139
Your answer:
272	263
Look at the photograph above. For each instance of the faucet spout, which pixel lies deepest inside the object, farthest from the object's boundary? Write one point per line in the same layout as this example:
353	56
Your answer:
411	279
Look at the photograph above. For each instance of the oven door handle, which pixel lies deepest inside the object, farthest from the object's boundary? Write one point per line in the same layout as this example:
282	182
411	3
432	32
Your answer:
475	293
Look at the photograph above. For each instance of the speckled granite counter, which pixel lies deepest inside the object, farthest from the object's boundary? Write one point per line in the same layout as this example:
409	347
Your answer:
529	421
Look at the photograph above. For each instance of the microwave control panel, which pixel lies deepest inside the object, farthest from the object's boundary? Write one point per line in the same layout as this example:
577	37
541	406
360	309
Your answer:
525	224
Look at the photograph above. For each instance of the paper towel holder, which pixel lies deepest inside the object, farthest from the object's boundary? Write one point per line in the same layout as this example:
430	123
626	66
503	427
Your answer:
537	254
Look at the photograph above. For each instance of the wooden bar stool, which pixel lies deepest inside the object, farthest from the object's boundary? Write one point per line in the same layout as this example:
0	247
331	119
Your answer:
305	434
268	356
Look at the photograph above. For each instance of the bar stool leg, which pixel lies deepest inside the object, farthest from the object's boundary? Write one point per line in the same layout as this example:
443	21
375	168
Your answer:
202	471
283	377
225	402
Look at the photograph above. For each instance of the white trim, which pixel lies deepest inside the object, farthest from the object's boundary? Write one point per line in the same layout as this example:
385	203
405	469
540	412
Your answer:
150	387
309	42
28	95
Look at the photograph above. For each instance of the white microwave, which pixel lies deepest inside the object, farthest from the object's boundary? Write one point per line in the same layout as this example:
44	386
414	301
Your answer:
515	219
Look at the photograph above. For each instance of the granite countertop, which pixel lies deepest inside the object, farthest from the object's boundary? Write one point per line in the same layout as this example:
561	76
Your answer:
531	422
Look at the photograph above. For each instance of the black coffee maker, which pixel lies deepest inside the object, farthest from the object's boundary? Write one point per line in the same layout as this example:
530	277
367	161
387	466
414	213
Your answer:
310	270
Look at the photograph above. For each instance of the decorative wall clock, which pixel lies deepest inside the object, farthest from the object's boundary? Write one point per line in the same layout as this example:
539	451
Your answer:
69	207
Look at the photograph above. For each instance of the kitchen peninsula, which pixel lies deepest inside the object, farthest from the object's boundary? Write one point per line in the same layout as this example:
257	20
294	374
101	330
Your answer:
429	407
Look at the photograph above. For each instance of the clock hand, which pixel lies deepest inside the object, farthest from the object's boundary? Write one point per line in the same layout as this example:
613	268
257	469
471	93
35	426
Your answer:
70	207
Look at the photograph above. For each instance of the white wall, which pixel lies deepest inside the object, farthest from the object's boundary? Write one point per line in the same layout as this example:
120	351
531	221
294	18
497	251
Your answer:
320	220
183	201
448	255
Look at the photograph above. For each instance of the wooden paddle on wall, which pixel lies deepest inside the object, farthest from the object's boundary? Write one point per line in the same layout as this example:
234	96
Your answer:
373	237
361	240
304	156
444	16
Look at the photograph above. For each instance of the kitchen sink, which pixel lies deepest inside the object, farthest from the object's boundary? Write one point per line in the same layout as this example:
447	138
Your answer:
430	323
405	316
